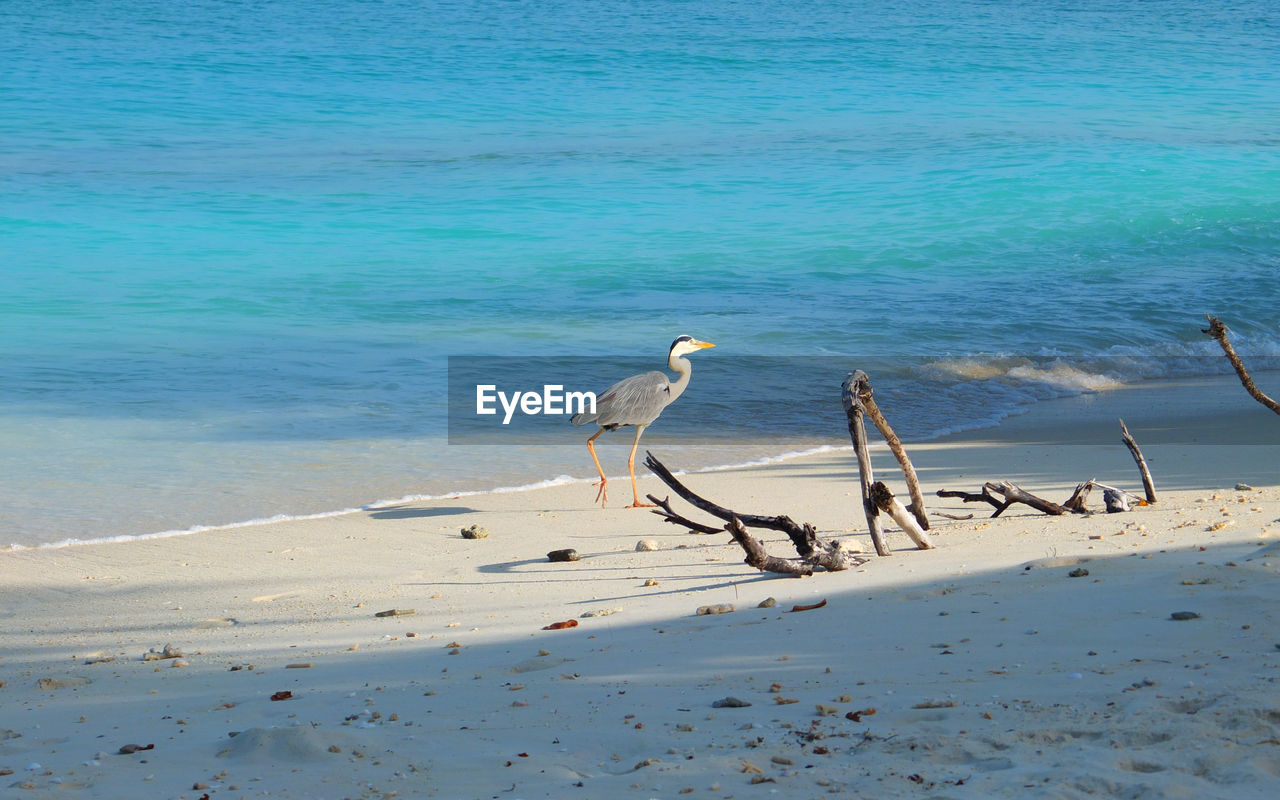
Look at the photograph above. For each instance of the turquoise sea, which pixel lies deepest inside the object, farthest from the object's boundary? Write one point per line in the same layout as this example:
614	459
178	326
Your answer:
239	242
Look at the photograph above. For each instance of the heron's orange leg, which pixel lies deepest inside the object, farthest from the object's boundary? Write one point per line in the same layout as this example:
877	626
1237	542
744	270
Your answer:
603	495
631	467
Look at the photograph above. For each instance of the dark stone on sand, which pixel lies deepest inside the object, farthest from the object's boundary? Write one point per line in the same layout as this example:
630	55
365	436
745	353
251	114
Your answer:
475	532
1184	615
730	702
1079	572
568	554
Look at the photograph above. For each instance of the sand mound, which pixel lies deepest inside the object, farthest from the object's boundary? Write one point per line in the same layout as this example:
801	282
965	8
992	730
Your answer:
301	743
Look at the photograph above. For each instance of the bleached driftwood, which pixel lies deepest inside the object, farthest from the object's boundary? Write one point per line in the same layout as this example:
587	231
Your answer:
886	502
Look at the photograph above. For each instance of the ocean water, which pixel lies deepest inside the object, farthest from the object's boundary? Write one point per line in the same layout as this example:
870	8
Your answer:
242	243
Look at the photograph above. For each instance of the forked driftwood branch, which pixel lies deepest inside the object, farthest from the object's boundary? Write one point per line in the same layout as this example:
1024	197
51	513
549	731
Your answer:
859	385
1219	331
813	551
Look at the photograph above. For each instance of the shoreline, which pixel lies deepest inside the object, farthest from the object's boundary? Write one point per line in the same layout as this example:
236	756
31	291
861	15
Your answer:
989	666
1091	417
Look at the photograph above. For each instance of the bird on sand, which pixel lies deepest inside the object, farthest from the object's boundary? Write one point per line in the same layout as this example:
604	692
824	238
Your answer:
637	401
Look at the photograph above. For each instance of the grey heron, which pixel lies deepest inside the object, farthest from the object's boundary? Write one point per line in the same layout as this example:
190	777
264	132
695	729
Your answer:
638	401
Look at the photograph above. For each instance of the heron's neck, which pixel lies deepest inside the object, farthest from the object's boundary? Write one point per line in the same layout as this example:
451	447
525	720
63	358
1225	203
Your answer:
681	365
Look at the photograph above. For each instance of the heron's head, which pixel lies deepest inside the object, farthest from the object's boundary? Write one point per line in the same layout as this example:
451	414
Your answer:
687	344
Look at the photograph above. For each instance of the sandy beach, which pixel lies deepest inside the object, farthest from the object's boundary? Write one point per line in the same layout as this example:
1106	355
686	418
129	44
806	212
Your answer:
1025	656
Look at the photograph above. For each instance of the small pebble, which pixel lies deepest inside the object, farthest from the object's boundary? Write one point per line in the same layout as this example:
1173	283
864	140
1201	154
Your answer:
646	545
568	554
768	602
730	702
475	532
1184	615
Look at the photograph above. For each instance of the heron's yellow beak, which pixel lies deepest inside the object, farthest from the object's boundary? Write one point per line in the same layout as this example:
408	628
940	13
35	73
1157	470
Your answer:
703	345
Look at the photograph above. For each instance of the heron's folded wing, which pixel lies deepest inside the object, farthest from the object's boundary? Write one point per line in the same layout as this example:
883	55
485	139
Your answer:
634	401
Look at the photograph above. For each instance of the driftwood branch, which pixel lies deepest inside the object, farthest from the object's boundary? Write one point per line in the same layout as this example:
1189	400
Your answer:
668	515
813	551
758	558
861	386
1147	485
1075	504
886	502
830	556
1219	331
801	535
1004	494
984	497
1016	494
858	434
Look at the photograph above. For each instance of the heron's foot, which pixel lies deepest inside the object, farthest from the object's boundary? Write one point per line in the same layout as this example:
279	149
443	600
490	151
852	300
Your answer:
602	496
638	504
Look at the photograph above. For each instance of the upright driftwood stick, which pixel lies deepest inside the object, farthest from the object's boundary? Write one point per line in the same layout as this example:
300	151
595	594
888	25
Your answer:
1147	485
862	386
886	502
858	433
1219	331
